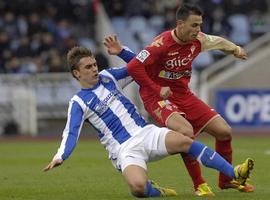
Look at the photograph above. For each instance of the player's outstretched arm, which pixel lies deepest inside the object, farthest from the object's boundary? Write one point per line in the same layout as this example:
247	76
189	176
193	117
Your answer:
53	164
213	42
113	45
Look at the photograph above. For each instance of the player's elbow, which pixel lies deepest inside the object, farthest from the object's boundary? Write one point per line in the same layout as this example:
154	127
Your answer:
134	66
130	67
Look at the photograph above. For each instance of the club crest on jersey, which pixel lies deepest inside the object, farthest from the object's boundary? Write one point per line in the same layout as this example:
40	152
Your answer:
105	80
143	55
192	49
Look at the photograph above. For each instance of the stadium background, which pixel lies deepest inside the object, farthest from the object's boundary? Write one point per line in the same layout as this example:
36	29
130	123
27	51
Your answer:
35	36
35	88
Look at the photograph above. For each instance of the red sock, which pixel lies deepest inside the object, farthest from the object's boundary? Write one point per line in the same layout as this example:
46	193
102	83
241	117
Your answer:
224	148
194	170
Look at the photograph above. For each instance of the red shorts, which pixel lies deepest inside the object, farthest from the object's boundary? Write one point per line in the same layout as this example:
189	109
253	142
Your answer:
192	108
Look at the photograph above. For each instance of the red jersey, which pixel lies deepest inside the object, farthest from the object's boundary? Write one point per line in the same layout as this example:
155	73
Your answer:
167	62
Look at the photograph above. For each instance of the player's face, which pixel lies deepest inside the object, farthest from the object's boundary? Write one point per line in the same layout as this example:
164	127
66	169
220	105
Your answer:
189	28
87	73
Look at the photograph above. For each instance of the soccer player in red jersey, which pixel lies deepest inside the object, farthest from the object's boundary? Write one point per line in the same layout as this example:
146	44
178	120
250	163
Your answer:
163	71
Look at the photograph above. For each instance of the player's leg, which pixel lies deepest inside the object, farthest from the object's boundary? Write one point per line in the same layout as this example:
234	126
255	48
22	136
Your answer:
223	135
200	115
178	123
136	179
141	186
219	128
167	114
178	143
133	156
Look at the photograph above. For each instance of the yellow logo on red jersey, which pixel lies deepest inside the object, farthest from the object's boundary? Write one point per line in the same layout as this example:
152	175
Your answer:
163	103
174	75
158	113
157	43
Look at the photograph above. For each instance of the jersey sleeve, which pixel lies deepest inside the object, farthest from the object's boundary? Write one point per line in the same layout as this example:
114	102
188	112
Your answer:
71	132
126	55
212	42
120	75
148	57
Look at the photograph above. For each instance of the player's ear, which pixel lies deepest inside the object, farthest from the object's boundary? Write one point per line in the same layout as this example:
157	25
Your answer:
76	73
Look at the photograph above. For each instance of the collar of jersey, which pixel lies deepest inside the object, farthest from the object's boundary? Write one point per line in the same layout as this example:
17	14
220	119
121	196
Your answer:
92	88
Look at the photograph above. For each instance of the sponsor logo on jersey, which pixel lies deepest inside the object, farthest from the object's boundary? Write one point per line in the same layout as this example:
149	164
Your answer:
174	75
212	157
178	62
143	55
173	53
103	105
88	102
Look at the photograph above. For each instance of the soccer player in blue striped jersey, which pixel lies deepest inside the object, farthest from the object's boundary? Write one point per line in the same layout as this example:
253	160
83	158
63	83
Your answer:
129	139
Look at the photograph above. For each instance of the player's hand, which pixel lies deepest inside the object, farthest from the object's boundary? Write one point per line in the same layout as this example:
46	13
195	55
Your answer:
53	164
239	52
165	92
113	45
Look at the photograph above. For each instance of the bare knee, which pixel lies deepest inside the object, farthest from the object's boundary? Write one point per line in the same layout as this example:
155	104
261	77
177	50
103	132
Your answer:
220	129
137	188
185	144
224	133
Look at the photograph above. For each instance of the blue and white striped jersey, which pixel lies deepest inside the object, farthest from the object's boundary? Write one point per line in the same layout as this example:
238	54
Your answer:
112	114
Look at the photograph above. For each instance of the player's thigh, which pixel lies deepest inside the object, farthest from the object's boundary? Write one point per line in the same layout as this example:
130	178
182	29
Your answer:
136	178
219	128
198	114
178	123
176	143
166	113
161	110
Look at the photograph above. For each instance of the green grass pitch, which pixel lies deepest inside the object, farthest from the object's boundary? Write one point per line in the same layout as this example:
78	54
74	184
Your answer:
88	174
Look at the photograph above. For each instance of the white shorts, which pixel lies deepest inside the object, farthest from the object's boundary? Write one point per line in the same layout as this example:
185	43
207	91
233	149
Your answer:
146	145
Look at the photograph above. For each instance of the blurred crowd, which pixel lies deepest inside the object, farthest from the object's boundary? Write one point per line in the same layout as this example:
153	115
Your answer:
35	35
240	21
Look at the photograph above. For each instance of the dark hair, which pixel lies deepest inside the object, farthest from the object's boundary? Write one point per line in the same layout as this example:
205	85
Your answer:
187	9
74	56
